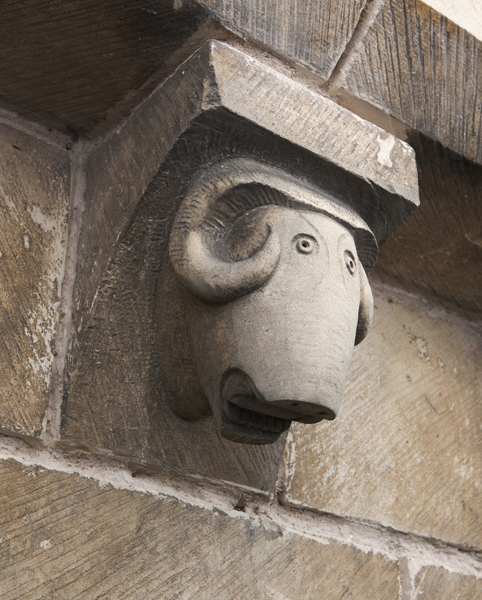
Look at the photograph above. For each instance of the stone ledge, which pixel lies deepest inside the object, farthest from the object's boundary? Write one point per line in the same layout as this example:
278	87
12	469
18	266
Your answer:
64	536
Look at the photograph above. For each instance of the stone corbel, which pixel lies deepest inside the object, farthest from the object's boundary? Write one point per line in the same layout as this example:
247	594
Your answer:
246	212
275	274
273	265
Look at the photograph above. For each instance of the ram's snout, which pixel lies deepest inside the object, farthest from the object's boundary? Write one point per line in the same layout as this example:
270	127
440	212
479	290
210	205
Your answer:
281	353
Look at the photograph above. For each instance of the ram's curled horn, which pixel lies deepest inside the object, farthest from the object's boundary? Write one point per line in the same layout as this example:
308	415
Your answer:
201	265
365	312
217	280
203	220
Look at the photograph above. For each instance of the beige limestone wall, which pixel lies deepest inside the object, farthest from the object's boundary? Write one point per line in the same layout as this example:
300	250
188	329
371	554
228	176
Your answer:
382	503
72	527
466	13
406	448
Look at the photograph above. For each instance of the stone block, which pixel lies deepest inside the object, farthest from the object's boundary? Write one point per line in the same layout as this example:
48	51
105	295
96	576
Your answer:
439	249
221	104
34	202
62	536
313	34
436	582
405	450
420	67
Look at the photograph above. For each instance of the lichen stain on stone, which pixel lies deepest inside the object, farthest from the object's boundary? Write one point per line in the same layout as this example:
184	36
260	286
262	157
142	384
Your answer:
386	147
47	223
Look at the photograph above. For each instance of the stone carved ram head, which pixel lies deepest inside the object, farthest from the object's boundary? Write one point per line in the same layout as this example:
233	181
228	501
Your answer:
265	298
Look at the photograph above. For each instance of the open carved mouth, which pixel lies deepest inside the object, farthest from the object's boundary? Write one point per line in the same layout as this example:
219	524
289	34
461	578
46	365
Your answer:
248	416
255	420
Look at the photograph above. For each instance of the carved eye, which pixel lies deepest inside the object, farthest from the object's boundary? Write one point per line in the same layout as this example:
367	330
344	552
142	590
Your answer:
305	244
350	262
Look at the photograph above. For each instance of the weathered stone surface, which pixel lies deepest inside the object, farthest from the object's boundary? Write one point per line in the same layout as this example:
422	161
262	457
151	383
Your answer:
34	200
221	105
226	80
304	285
313	33
439	249
433	582
74	65
424	70
405	450
65	537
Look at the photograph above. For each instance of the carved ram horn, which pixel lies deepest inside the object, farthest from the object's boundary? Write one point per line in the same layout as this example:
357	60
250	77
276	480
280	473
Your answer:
365	312
197	250
203	221
218	280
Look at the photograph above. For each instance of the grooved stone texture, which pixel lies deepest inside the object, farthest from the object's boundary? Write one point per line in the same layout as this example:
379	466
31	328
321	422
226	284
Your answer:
436	582
424	70
65	537
312	33
406	448
34	202
220	105
439	249
72	64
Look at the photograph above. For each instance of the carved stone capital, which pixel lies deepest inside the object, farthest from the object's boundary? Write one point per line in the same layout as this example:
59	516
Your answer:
194	247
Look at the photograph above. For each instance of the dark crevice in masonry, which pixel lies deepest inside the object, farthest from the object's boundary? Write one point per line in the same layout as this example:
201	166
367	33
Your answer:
366	20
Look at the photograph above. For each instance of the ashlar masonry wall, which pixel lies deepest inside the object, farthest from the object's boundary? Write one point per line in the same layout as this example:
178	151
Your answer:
382	503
